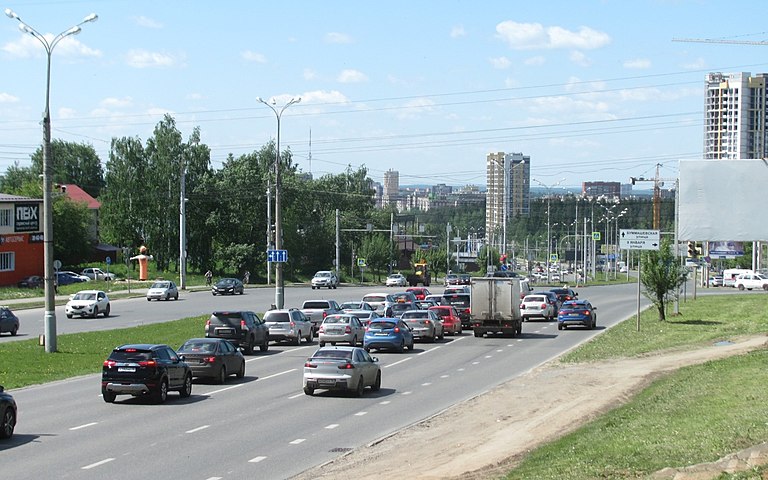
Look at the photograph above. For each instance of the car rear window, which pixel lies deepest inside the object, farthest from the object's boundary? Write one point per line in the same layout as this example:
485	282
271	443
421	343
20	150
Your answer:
531	298
228	319
374	298
198	347
381	325
334	354
457	300
315	304
130	355
281	317
411	315
336	319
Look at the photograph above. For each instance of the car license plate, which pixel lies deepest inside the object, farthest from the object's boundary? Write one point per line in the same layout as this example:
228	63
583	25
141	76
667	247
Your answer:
326	381
225	331
573	314
381	334
126	369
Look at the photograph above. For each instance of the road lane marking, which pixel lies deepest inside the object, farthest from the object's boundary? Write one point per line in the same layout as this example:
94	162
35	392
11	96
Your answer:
407	393
97	464
475	363
84	426
256	459
296	396
360	414
489	356
427	351
332	426
214	478
426	384
202	427
275	375
297	441
385	402
444	376
398	362
460	369
226	388
500	350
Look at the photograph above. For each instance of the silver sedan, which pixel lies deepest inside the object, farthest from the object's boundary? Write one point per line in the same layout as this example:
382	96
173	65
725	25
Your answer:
424	324
341	328
341	368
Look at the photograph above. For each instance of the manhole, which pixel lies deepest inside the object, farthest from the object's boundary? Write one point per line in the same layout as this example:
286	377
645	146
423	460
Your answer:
340	449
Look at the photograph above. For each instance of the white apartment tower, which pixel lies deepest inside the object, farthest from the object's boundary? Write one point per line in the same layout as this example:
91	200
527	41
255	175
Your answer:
391	193
508	180
735	116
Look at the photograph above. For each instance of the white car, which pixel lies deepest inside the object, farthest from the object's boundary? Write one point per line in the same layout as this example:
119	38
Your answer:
537	306
325	278
396	280
97	274
749	281
163	290
88	303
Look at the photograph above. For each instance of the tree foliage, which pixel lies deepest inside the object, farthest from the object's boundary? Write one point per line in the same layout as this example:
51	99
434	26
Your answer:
661	274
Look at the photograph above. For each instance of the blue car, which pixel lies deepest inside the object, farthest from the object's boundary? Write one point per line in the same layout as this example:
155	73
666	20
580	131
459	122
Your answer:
387	333
577	312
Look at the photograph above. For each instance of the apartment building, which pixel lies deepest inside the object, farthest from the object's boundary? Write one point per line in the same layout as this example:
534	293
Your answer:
508	180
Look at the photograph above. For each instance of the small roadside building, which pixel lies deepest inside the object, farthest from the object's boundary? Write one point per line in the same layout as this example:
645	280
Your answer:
21	238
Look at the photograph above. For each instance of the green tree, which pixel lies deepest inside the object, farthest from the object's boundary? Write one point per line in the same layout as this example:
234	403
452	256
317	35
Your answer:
377	251
71	224
660	274
75	163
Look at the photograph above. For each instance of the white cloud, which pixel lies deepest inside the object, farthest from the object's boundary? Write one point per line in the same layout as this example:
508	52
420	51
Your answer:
27	47
413	108
116	102
637	63
535	61
529	36
458	31
336	37
321	96
67	112
195	96
500	62
8	98
147	22
579	59
145	59
351	76
252	56
309	74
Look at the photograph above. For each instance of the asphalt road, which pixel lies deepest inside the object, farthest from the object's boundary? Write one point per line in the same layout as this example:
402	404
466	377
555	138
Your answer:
263	426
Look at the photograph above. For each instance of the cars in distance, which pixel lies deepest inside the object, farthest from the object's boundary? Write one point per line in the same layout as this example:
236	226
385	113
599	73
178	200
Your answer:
564	294
241	327
163	290
68	278
97	274
214	358
577	312
538	306
88	303
451	279
341	368
388	333
716	281
461	302
419	292
465	279
398	308
288	325
358	305
341	328
33	281
424	324
450	318
378	300
396	280
325	279
364	316
228	286
145	369
9	322
8	413
749	281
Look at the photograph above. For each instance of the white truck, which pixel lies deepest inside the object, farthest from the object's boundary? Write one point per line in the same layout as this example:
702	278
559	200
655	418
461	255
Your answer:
495	306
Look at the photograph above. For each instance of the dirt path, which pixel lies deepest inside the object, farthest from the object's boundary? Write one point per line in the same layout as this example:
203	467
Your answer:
485	436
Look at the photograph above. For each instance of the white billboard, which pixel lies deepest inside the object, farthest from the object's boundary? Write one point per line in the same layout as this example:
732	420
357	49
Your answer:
723	200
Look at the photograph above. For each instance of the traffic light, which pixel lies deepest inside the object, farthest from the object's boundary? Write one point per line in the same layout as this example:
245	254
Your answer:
692	251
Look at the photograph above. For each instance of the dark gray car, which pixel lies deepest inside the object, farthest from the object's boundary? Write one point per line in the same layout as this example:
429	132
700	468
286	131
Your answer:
241	327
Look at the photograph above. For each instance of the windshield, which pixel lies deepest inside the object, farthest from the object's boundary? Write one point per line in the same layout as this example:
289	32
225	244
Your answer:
161	285
323	274
84	296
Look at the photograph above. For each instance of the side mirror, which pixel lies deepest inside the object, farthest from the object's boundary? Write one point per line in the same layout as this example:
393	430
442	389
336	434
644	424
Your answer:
594	308
182	358
375	360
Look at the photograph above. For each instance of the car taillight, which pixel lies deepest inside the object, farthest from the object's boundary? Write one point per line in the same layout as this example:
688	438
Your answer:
292	324
148	363
396	329
586	312
321	329
207	323
310	365
522	305
209	359
543	306
325	314
346	366
109	363
243	325
347	329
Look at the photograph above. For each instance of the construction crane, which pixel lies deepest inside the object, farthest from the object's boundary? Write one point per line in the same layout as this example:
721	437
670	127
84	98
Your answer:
657	184
715	40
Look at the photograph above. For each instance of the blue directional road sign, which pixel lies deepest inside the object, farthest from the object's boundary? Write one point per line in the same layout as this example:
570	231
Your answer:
277	256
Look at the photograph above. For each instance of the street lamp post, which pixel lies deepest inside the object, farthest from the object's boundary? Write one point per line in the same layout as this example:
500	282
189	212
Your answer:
279	284
50	304
549	238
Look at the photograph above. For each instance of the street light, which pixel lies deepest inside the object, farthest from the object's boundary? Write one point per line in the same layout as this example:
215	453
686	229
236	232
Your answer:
279	284
549	238
50	304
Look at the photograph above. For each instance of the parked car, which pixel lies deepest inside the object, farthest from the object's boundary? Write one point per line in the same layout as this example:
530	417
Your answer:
577	312
360	305
388	333
145	369
97	274
450	318
241	327
325	278
214	358
8	413
364	316
341	368
163	289
461	302
68	278
424	324
564	294
419	292
88	303
228	286
538	306
289	325
396	280
341	328
749	281
9	322
33	281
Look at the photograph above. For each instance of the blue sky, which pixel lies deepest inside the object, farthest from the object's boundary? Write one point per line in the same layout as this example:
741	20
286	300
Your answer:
591	90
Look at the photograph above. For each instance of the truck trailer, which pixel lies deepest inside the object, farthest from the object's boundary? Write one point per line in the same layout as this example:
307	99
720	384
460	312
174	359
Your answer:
495	306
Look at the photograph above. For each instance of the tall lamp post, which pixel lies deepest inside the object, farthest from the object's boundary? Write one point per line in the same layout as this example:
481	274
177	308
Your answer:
50	305
549	228
279	284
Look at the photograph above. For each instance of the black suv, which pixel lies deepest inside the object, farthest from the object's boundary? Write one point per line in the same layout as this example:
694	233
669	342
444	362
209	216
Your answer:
242	328
460	301
7	414
144	369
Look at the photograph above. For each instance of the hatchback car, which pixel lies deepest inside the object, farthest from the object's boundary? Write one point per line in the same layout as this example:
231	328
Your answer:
341	368
538	306
396	280
424	324
9	322
33	281
214	358
241	327
145	369
8	414
341	328
577	312
228	286
388	333
68	278
325	279
450	318
419	292
289	325
461	302
163	289
88	303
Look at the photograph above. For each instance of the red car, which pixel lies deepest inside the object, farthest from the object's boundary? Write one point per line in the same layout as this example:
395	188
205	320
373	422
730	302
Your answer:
450	318
419	292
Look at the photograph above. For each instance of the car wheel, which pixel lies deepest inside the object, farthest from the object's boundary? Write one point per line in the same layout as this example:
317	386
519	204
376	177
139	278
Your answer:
353	343
360	387
15	330
109	397
559	326
222	375
106	312
95	312
401	347
161	394
186	390
478	333
249	346
765	287
8	423
69	316
176	297
377	384
167	297
297	340
241	372
149	299
313	287
741	287
309	391
367	349
264	346
311	336
322	344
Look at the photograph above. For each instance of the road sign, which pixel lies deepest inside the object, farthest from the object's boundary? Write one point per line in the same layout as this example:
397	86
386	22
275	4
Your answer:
279	256
596	236
360	262
109	260
553	258
639	239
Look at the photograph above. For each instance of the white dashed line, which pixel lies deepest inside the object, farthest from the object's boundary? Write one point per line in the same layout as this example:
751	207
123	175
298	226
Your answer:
296	396
273	375
298	441
97	464
202	427
489	356
407	393
500	350
360	414
257	459
398	362
460	369
385	402
226	388
84	426
444	376
332	426
214	478
427	351
475	363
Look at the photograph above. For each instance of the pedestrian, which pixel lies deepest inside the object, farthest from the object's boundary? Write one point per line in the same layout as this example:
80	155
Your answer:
246	276
208	277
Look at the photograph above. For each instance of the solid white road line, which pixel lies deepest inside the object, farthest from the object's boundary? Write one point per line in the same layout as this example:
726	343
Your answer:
257	459
202	427
275	375
397	362
226	388
93	465
84	426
